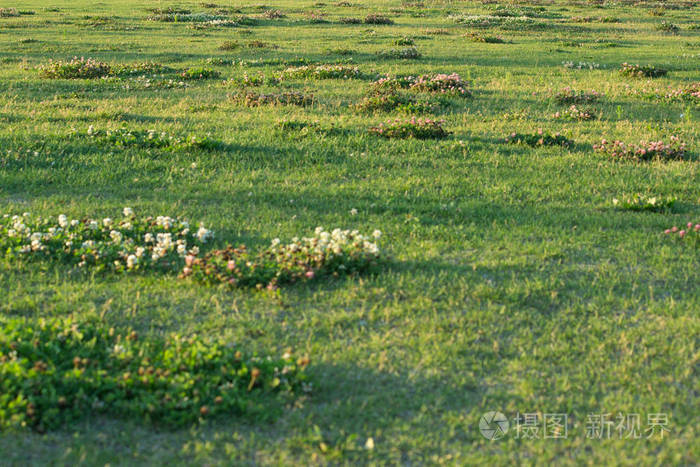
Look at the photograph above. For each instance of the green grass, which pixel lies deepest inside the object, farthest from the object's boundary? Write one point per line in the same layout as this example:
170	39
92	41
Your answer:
513	285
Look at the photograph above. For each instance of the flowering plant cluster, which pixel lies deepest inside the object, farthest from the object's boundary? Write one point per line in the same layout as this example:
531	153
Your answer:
199	73
576	114
690	92
667	26
185	17
252	99
392	100
89	68
143	82
58	370
350	20
9	12
407	53
321	72
675	149
404	41
644	203
570	96
377	19
324	253
129	244
419	128
125	137
436	83
273	14
689	233
76	68
641	71
505	22
214	23
538	139
248	80
476	37
581	65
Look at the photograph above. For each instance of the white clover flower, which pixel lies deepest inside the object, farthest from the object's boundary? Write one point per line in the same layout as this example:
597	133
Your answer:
377	234
140	251
63	221
353	211
106	221
93	225
131	261
181	250
275	241
74	222
11	232
116	236
148	238
128	212
91	130
318	230
204	234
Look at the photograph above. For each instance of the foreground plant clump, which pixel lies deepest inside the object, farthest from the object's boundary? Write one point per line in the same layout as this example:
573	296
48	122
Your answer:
254	99
436	83
325	253
571	96
322	72
418	128
644	203
673	150
125	137
575	113
166	244
125	245
641	71
76	68
58	370
538	139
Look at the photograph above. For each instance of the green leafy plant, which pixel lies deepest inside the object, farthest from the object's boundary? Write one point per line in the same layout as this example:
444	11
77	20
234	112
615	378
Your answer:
377	19
640	202
673	150
575	113
60	370
321	72
252	99
666	26
538	139
571	96
129	244
126	137
322	254
404	53
76	68
195	73
641	71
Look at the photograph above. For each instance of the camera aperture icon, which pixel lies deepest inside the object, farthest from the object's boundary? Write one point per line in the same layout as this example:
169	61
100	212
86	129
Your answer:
493	425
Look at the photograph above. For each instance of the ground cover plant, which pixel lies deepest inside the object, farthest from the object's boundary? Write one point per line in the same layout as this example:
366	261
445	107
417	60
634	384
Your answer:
640	202
58	370
507	279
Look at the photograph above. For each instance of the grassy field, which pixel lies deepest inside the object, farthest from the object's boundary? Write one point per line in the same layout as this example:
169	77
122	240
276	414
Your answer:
511	282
